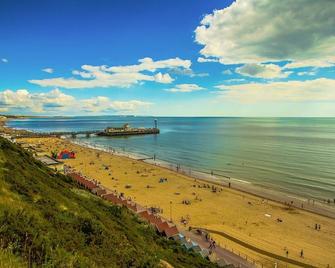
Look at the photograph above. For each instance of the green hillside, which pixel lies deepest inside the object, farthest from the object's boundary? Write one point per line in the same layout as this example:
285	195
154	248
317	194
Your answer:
45	220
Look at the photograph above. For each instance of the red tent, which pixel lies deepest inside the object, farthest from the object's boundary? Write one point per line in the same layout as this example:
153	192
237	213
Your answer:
65	154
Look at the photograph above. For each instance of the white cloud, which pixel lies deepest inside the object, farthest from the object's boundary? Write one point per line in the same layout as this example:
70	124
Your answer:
11	99
185	88
163	78
312	72
235	80
266	71
4	60
147	64
48	70
202	60
104	104
117	76
321	89
227	72
187	72
300	31
57	101
36	102
311	63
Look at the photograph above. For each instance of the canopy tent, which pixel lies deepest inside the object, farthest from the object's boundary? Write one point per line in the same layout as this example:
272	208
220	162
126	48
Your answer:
65	154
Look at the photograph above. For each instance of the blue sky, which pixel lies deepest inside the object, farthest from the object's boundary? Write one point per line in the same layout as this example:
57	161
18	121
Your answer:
192	58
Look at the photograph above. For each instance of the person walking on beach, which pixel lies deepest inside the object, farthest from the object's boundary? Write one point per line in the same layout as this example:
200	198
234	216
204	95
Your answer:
210	244
286	253
207	237
302	253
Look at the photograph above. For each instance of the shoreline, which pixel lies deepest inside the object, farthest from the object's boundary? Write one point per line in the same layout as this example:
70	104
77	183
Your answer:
282	191
284	198
272	194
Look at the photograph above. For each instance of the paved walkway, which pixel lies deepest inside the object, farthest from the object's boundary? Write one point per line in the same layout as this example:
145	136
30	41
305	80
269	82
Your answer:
261	251
221	253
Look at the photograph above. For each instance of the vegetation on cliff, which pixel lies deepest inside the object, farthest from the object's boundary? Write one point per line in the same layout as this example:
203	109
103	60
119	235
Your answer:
45	220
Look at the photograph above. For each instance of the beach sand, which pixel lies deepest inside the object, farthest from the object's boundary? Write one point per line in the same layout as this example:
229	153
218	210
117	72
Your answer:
244	216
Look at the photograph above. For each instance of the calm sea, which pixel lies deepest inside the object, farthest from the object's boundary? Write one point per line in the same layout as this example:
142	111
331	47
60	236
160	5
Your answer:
292	155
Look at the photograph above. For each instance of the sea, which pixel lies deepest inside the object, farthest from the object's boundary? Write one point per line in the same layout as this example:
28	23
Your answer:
293	156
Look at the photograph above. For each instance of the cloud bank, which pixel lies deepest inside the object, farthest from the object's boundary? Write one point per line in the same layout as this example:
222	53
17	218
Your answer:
258	31
57	101
185	88
117	76
266	71
317	90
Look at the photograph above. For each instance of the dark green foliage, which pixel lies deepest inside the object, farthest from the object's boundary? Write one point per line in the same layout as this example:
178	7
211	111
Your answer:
54	154
47	221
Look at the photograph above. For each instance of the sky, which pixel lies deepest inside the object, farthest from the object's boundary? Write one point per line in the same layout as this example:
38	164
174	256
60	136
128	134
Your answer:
167	58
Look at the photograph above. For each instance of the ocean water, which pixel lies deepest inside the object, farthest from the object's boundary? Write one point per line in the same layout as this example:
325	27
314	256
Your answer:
291	155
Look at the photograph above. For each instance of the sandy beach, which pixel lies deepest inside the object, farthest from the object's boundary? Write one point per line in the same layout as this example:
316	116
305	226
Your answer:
265	224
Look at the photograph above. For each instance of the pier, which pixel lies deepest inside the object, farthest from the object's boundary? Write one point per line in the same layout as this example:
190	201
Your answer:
125	130
73	134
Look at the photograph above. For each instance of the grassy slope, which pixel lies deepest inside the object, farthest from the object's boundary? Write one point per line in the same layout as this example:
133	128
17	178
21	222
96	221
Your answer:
47	221
8	260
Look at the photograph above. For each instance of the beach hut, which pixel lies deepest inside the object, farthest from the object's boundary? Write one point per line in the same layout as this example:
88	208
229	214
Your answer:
196	247
179	237
188	244
112	198
162	226
135	207
82	181
98	191
171	231
144	215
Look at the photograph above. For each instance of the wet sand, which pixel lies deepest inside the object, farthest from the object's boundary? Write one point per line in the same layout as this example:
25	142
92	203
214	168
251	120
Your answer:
247	217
